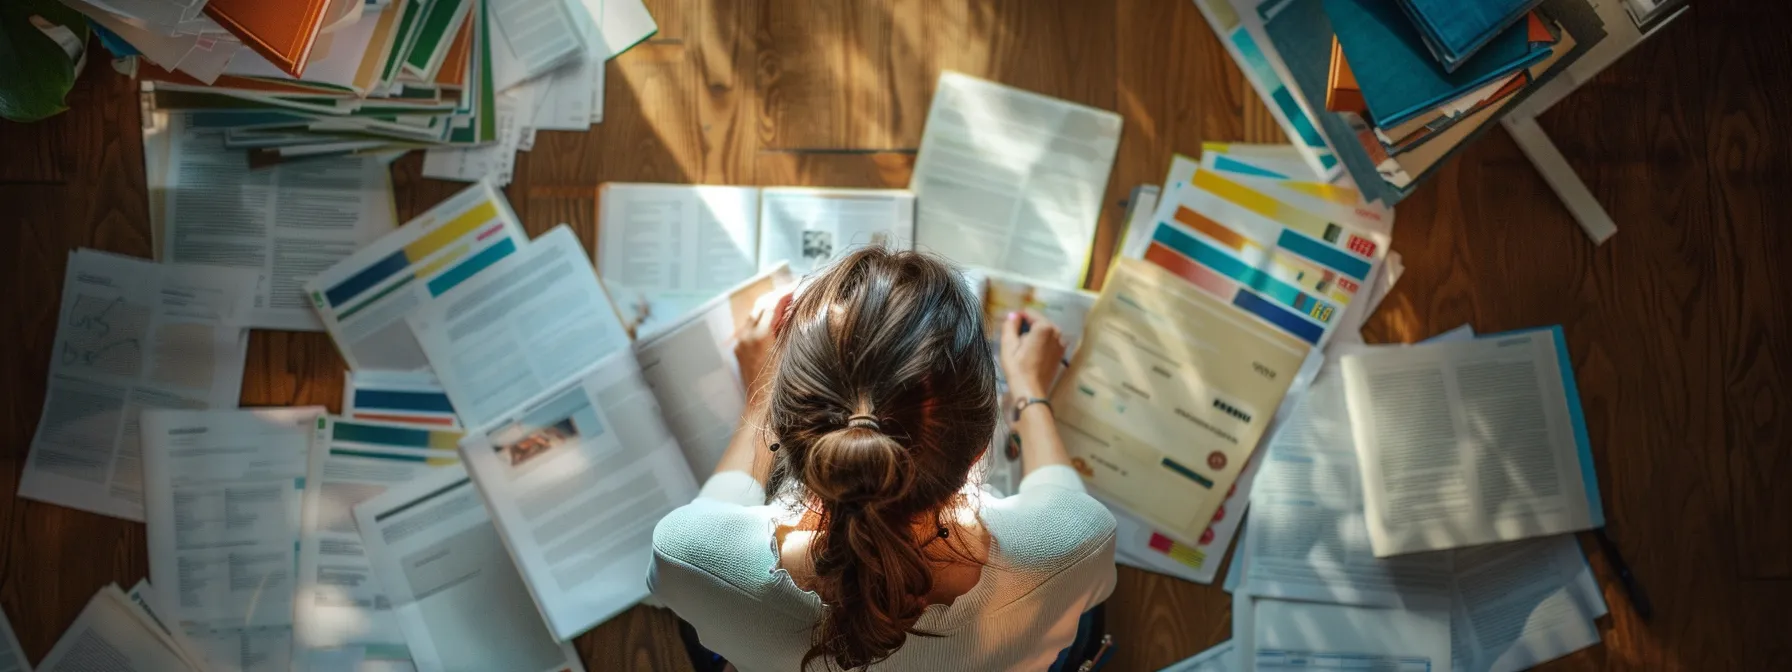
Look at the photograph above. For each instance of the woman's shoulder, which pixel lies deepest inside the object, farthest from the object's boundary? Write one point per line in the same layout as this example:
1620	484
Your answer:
722	537
1051	523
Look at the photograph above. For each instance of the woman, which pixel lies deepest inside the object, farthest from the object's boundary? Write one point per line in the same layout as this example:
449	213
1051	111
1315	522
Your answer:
840	530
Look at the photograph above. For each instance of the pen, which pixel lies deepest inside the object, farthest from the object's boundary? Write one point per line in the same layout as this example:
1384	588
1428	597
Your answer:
1639	600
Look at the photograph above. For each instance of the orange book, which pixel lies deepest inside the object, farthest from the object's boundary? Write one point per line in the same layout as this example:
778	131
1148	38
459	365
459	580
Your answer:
454	65
281	32
1341	91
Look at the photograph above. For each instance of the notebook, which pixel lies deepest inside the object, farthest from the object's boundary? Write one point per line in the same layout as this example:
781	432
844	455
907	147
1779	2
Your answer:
1455	30
1398	76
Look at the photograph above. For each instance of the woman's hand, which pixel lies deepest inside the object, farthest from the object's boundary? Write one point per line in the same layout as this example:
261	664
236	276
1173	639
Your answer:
754	339
1031	360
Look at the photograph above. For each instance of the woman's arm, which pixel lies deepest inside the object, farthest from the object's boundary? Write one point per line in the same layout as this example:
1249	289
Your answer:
749	450
1031	362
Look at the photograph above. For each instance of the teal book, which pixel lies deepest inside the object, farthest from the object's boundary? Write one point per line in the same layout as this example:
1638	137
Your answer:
1395	70
1454	30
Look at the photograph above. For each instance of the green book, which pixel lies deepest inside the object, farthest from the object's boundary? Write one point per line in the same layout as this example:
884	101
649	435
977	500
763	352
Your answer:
439	21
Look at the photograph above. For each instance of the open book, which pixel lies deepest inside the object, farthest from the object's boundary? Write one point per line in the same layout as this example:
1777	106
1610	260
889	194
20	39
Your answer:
1471	443
691	367
664	249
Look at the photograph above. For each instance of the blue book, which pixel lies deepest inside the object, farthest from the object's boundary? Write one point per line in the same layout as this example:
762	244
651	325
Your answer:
1454	30
1395	71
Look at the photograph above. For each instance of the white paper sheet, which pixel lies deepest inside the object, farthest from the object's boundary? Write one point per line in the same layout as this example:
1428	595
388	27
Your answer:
1287	636
622	23
338	604
363	299
12	656
531	38
664	249
1012	180
693	372
130	334
222	494
810	227
1470	443
1520	604
111	635
493	161
286	223
506	336
576	479
150	606
457	595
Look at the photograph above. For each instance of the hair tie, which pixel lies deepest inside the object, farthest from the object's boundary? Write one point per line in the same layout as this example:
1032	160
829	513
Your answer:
866	421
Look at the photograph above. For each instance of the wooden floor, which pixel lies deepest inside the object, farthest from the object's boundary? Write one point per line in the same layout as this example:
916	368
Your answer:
1679	326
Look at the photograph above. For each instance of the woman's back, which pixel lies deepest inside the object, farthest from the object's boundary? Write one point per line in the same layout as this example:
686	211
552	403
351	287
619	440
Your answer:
1051	558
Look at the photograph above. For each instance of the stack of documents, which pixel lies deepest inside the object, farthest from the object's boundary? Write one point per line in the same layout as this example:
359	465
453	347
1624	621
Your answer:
470	80
120	631
1312	583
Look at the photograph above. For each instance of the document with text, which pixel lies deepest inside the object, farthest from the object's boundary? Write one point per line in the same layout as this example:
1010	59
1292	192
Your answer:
692	370
1167	396
363	300
575	480
1520	604
1012	180
12	656
810	227
131	335
506	335
455	592
222	494
113	635
1471	443
286	223
339	605
664	249
405	397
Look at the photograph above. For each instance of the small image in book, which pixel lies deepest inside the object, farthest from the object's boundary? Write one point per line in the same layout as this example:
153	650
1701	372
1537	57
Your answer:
540	442
818	246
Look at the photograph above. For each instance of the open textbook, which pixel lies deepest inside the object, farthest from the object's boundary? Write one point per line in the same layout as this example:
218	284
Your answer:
1012	180
1167	396
1471	443
363	300
131	334
117	634
575	479
284	223
408	397
664	249
533	319
456	595
222	492
338	604
691	367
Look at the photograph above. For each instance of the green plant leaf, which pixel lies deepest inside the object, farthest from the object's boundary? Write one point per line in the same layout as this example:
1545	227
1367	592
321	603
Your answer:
37	74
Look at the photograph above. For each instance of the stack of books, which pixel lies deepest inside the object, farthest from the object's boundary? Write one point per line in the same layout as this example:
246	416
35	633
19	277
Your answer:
1420	73
332	77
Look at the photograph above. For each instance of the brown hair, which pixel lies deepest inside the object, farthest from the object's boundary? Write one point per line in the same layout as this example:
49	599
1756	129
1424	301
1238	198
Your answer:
884	398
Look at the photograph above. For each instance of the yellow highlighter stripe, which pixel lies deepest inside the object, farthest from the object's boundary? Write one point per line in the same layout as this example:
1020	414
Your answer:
443	261
435	240
1255	201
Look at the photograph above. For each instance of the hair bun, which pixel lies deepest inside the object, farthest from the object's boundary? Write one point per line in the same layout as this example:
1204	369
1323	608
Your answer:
856	464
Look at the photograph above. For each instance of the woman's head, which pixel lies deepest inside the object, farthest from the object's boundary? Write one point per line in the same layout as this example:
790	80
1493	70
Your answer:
883	399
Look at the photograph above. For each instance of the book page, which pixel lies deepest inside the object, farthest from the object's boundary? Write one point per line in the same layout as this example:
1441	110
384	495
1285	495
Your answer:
1288	635
810	227
693	373
664	249
403	397
338	604
149	607
109	635
223	490
455	592
1166	398
1470	443
131	334
364	299
1012	180
1520	604
531	38
528	324
286	223
1001	294
576	479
